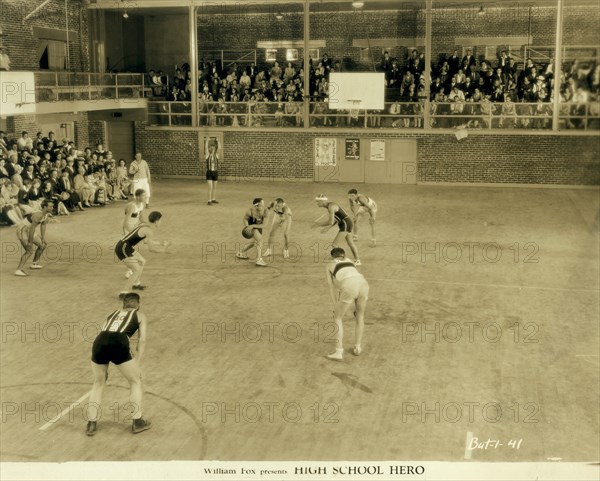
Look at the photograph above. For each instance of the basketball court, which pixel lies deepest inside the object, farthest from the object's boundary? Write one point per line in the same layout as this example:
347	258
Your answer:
482	324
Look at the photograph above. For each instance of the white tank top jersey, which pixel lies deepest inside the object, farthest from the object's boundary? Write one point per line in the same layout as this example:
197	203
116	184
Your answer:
342	269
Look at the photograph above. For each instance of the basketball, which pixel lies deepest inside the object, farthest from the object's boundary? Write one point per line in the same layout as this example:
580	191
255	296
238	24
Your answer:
248	232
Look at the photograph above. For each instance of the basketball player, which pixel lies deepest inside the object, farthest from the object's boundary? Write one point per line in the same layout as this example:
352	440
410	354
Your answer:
28	238
338	216
282	217
359	205
112	345
141	175
126	248
133	211
212	169
254	218
347	287
133	214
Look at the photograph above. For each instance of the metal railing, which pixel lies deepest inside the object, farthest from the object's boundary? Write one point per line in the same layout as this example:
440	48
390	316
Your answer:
72	86
169	113
396	115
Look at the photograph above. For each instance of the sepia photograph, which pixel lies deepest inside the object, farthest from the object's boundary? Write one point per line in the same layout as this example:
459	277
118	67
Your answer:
300	240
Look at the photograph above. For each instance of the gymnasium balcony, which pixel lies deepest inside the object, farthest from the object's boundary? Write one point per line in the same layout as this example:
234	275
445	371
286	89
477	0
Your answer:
525	117
63	92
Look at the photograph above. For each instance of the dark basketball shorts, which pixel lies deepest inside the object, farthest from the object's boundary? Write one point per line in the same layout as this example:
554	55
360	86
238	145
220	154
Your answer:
111	347
123	250
346	225
212	175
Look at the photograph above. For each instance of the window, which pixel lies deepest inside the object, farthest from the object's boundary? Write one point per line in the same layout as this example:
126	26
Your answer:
271	54
291	54
53	55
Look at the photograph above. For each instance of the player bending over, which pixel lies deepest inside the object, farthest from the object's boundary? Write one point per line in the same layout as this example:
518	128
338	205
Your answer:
339	217
254	220
347	288
112	345
360	205
28	238
126	248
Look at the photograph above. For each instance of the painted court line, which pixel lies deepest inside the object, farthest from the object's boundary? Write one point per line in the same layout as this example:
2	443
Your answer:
468	452
64	411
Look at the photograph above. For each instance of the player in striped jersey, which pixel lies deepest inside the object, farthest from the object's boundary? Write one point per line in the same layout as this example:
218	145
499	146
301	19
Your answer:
347	287
339	217
126	250
212	169
359	205
112	345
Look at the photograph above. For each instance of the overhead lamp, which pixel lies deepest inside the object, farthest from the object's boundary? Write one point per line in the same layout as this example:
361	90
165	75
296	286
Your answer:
279	16
358	4
125	15
481	11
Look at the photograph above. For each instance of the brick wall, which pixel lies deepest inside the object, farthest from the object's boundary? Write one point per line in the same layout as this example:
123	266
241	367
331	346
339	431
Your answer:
169	152
242	31
535	159
510	159
20	43
270	155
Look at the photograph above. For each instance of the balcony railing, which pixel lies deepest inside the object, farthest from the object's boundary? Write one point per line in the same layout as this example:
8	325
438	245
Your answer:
72	86
396	115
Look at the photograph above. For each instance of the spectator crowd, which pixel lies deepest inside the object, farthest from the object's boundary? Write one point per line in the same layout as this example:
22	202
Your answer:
42	167
518	94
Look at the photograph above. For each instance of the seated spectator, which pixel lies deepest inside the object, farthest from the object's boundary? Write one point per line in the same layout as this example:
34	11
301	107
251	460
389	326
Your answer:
275	72
9	202
24	142
508	111
67	193
289	73
487	110
84	189
23	198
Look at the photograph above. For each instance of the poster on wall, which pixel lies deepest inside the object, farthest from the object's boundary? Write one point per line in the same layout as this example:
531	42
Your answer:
377	150
352	149
325	151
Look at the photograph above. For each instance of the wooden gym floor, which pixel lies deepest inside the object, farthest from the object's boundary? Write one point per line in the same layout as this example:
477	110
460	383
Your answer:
494	341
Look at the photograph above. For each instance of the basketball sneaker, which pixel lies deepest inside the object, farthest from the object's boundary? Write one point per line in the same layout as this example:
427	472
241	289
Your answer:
91	428
357	350
35	265
138	287
140	425
267	253
260	262
20	273
338	355
239	255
